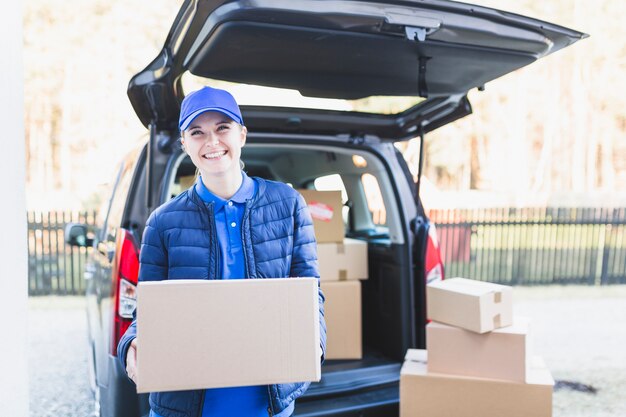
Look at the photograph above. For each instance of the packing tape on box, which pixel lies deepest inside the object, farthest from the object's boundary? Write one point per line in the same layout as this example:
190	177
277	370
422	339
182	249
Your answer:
343	275
497	323
497	319
341	248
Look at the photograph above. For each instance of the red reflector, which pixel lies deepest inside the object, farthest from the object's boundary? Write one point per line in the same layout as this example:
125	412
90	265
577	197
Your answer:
126	266
129	260
120	327
434	261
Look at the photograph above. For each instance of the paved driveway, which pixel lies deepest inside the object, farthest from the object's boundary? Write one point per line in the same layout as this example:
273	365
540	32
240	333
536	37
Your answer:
580	332
57	358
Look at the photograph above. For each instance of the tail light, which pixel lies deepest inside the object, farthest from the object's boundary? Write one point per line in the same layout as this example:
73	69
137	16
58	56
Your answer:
434	263
125	273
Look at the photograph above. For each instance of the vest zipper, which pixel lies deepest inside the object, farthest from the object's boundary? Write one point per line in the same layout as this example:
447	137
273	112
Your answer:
209	210
243	237
214	250
202	403
270	413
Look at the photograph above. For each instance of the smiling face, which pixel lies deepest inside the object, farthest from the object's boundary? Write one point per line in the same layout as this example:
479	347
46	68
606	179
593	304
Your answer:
213	141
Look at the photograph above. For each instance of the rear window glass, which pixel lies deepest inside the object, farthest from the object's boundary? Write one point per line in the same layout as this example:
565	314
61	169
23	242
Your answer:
331	182
334	182
373	195
375	202
255	95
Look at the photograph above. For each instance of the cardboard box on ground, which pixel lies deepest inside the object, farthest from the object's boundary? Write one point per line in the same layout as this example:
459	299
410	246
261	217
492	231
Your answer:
500	354
425	393
473	305
479	363
196	334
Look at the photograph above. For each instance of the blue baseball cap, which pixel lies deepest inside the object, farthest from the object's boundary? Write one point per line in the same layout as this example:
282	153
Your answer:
208	99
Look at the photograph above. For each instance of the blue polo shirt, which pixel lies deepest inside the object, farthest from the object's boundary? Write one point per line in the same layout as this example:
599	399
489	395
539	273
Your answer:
228	217
249	401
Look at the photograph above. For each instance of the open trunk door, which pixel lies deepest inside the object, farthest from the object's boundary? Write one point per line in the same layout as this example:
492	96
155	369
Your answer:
437	50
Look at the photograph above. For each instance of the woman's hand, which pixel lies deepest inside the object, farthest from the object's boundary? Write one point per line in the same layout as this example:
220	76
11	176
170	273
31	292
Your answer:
131	361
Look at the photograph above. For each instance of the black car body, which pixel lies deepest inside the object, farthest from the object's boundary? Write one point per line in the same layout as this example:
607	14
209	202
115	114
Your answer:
434	51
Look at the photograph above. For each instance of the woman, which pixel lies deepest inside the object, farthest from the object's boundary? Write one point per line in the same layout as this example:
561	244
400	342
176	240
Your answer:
245	227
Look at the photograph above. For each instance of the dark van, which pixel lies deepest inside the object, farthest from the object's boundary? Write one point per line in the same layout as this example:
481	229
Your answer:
343	62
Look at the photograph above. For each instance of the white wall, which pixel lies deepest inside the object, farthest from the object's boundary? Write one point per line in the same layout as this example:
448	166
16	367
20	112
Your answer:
13	228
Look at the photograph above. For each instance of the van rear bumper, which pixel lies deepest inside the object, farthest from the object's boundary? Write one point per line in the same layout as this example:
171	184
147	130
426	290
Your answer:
119	398
379	402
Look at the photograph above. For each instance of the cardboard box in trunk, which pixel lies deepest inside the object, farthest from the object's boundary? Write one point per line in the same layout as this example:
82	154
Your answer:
326	210
473	305
342	312
438	395
343	261
195	334
186	182
500	354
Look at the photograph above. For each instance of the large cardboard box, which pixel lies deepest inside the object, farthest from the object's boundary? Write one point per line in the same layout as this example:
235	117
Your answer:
343	261
473	305
500	354
429	394
195	334
342	311
326	210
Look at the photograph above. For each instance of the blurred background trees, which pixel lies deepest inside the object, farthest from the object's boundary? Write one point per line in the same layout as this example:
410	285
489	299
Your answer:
78	59
551	133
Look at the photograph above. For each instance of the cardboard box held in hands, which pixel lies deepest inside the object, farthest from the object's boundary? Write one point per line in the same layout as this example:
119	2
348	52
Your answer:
196	334
473	305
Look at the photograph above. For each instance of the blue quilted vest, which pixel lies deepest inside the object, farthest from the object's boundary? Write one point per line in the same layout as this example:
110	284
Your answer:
180	242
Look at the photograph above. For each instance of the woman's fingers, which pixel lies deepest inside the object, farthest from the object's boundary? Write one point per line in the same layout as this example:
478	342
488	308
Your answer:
131	361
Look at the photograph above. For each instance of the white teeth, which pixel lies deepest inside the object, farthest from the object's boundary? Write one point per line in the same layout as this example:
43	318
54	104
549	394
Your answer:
214	155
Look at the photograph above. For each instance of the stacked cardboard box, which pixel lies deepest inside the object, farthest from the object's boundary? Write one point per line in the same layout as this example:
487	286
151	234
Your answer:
326	210
342	264
344	261
342	311
340	258
479	361
425	393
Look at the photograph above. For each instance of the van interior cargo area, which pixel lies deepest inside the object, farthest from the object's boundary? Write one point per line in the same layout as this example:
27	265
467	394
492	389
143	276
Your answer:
385	311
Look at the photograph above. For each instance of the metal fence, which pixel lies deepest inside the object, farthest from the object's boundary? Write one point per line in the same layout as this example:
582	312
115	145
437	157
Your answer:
510	246
531	246
53	266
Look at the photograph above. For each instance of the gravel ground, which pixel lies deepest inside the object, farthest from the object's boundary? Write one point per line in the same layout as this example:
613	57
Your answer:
579	331
581	334
57	354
